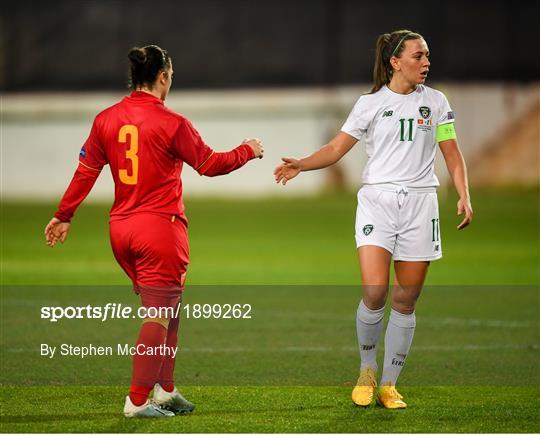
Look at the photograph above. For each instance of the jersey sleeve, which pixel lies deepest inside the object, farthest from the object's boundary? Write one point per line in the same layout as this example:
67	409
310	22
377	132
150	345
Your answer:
91	161
225	162
446	114
92	154
358	121
81	184
189	147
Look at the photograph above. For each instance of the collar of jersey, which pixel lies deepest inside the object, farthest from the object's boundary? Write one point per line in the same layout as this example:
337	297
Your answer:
418	89
145	96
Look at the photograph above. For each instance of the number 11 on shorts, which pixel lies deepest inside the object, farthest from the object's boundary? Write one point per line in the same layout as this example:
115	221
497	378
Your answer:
435	229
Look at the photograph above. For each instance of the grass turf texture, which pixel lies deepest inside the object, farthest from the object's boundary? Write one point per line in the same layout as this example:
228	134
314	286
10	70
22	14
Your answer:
294	370
277	409
279	241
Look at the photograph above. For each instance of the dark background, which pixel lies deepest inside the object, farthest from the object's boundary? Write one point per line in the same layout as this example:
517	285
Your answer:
82	45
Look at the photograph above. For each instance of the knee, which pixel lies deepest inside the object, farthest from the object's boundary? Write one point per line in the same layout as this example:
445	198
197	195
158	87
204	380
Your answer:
374	296
404	301
403	305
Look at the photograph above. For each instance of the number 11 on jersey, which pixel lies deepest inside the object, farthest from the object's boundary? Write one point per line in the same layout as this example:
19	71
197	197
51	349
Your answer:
402	129
131	153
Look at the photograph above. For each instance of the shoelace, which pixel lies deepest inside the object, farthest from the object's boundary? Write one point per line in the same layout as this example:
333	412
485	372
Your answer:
366	378
394	393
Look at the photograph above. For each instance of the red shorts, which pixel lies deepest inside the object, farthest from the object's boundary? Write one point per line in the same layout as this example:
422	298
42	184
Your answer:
154	251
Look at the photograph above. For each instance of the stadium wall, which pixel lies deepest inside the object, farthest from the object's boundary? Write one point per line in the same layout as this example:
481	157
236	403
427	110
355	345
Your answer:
41	134
66	45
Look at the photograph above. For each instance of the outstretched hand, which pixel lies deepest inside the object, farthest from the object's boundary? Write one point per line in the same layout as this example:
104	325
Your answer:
289	169
464	206
257	147
56	231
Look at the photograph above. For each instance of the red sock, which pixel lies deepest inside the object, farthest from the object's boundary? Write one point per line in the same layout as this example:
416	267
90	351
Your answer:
139	394
169	388
166	376
146	368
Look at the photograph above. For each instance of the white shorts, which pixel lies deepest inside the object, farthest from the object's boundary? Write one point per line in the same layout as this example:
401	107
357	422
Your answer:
402	220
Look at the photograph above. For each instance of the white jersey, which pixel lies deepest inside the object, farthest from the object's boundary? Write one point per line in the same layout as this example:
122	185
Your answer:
400	134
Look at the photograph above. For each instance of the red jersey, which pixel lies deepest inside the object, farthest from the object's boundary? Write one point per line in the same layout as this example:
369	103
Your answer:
145	145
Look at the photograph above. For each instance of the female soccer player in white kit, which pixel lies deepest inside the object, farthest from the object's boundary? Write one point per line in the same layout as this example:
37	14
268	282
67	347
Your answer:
397	215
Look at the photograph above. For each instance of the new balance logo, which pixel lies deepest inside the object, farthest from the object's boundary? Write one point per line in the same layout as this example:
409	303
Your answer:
396	362
368	347
387	113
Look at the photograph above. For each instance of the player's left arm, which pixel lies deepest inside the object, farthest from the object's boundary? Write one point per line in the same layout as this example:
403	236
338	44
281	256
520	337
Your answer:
458	171
56	231
189	147
81	184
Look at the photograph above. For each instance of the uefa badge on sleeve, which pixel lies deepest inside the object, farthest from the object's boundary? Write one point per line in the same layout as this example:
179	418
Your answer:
367	229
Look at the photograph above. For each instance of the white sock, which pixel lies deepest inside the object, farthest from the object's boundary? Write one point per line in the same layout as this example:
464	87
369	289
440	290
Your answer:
369	325
397	342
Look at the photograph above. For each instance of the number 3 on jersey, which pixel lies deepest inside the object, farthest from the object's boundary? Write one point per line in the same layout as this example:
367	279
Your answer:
131	153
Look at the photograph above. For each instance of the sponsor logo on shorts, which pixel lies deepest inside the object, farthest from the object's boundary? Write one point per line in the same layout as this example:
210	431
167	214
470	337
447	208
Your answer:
425	111
82	153
367	229
437	248
450	115
387	113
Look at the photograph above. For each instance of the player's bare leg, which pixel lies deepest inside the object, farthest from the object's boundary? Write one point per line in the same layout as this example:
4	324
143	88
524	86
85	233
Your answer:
408	284
375	270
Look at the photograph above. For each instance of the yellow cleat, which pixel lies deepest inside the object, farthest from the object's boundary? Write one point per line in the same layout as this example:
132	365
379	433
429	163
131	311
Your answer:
389	397
362	394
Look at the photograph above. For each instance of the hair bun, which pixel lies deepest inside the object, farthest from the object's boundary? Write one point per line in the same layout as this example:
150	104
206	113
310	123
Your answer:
137	55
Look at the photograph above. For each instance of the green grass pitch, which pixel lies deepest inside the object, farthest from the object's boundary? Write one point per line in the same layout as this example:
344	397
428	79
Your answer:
473	366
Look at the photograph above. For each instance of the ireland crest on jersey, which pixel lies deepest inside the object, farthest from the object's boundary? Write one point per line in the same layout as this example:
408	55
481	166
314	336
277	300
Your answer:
367	229
425	111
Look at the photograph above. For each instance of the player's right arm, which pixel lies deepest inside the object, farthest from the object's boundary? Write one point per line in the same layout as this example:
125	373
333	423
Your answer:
325	156
91	161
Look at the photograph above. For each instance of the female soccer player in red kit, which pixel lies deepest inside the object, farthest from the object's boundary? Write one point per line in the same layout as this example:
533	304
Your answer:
145	145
